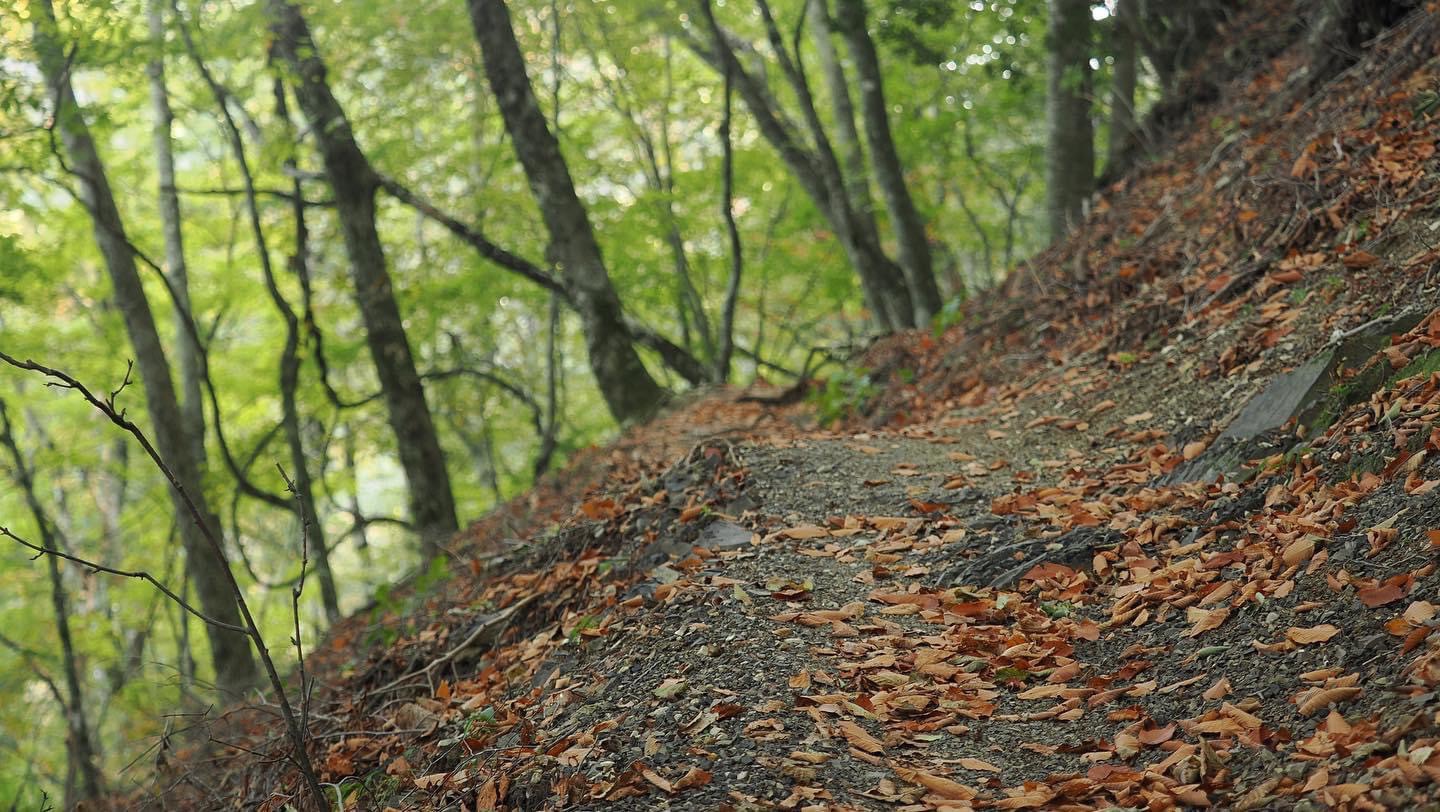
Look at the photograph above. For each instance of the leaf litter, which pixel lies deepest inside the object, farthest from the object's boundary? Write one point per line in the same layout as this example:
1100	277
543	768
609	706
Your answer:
983	591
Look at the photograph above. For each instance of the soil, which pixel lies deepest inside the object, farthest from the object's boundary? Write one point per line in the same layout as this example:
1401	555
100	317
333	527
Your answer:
983	588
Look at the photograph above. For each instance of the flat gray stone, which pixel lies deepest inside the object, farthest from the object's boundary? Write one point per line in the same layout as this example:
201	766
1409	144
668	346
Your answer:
1310	395
1283	399
723	535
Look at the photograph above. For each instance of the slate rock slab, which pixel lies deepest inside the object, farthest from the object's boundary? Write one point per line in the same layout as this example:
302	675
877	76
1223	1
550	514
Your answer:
1311	394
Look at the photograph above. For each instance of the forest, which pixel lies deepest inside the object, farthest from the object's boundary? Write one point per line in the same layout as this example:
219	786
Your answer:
377	375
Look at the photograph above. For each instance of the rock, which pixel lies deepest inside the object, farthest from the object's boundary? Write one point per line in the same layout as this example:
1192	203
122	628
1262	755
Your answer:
722	535
1312	394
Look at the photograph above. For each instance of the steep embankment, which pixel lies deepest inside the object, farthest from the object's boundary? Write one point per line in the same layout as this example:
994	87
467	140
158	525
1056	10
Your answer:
1159	531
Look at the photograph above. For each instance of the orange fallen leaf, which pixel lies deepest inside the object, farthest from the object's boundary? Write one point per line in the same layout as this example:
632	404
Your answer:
803	532
1360	259
860	738
1298	551
1313	634
939	785
1317	699
1219	690
977	765
1203	621
1156	735
655	778
694	777
1380	595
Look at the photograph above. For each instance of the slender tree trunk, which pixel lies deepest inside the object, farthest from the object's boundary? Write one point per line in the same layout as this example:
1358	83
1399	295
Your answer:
549	434
354	182
818	171
913	247
732	229
290	377
1070	147
79	745
187	347
624	382
857	174
1122	91
311	530
233	659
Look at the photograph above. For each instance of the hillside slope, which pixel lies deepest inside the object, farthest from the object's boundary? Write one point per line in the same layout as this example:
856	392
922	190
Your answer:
1154	528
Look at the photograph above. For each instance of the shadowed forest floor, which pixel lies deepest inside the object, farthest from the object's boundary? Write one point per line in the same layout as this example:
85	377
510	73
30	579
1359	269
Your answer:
1020	573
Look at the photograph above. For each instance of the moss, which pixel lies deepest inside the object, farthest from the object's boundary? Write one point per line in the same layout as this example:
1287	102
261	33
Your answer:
1426	364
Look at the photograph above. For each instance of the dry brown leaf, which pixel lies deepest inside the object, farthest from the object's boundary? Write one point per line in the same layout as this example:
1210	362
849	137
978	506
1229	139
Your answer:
1298	551
939	785
1203	621
1219	690
1156	735
977	765
1313	634
1317	699
1380	595
655	778
694	777
860	738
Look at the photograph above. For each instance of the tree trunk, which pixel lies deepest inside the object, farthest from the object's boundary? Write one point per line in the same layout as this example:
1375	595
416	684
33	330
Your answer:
912	246
311	531
818	171
1070	147
1122	91
857	175
230	651
626	385
187	346
354	182
726	338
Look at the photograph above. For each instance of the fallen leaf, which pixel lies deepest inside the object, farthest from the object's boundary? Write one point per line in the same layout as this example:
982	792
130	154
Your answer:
1317	699
1203	621
977	765
694	777
939	785
860	738
1313	634
1380	595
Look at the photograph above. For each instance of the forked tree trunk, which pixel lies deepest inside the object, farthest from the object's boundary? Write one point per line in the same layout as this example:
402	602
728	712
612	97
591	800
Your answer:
624	382
231	655
912	246
355	182
817	169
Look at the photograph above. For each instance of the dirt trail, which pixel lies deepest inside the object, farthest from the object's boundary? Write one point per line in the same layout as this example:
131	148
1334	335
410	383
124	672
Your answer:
995	586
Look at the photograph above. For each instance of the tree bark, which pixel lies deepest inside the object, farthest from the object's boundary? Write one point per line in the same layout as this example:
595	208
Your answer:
857	173
1070	147
231	655
1122	91
187	347
629	391
912	245
726	338
354	181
